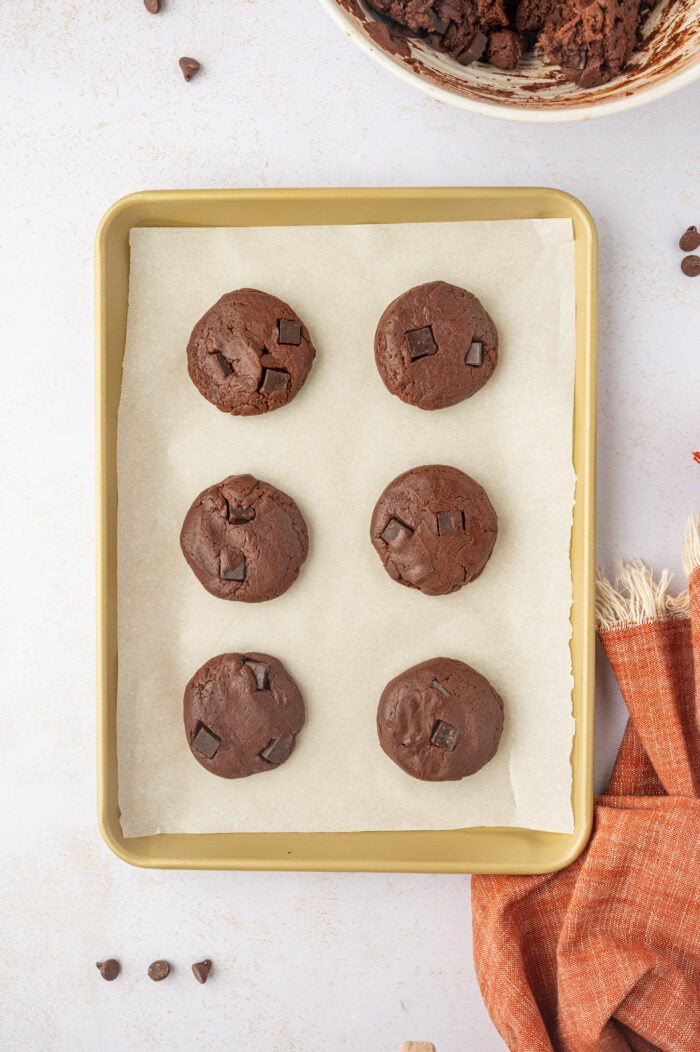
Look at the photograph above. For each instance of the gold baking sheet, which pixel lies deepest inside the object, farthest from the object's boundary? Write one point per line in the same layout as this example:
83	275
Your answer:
456	850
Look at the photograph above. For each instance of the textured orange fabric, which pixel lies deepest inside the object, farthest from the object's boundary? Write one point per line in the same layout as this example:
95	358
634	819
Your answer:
605	956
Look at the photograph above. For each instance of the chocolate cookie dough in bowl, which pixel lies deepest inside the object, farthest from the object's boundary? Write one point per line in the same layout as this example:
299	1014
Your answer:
434	529
250	353
244	539
242	714
440	721
579	43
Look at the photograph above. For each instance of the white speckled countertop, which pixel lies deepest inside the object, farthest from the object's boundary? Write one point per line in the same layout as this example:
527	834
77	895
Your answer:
94	106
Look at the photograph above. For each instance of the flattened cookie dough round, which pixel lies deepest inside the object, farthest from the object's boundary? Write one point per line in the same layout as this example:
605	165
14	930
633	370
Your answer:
244	539
435	345
250	353
434	529
242	714
440	720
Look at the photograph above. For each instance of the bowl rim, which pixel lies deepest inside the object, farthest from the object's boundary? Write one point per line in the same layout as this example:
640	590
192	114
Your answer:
503	111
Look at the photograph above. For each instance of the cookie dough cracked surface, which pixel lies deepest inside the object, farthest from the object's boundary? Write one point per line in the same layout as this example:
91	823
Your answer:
242	714
440	721
244	539
434	529
250	353
435	345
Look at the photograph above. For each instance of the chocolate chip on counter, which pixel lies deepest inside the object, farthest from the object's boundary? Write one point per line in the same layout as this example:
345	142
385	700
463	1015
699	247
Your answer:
259	671
475	354
158	970
449	522
109	970
152	5
189	67
475	50
276	750
393	529
444	736
289	332
421	343
274	380
201	969
690	240
224	364
691	266
206	742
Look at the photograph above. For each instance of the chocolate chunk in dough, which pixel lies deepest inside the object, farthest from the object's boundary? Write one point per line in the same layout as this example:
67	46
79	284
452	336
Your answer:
201	970
289	332
266	349
443	549
436	685
464	337
438	736
256	726
158	971
205	742
690	240
244	539
421	343
691	266
109	970
475	50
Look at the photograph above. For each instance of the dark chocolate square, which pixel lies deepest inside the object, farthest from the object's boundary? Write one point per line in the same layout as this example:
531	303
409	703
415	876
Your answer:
475	354
444	736
232	565
224	364
276	750
449	522
289	332
393	529
206	742
440	689
421	343
259	670
274	380
475	50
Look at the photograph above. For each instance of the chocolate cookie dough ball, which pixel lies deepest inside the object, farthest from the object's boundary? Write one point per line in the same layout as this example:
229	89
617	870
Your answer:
440	720
435	345
242	714
244	539
455	27
250	353
434	529
590	41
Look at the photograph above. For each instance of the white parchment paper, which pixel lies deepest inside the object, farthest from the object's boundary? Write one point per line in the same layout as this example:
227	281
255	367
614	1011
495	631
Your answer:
345	628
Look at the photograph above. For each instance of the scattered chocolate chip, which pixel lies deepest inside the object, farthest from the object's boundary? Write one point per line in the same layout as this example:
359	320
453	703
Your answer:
109	970
201	970
225	365
289	332
444	736
152	5
158	970
189	67
690	240
237	516
475	354
420	343
259	670
276	750
691	266
274	380
393	529
232	565
582	61
440	689
206	742
439	25
475	50
449	522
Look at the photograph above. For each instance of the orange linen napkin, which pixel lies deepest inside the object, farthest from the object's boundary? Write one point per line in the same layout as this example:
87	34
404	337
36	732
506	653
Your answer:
605	955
